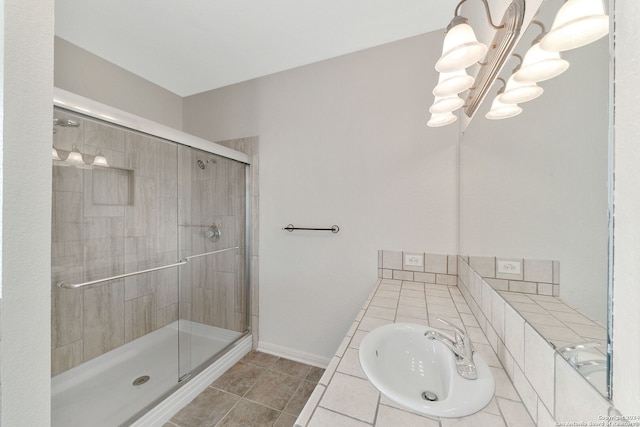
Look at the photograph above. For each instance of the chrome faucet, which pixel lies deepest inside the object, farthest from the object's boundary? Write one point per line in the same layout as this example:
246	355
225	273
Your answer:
571	353
461	348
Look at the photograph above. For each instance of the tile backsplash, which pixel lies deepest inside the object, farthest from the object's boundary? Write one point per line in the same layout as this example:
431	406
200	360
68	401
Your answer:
529	276
418	267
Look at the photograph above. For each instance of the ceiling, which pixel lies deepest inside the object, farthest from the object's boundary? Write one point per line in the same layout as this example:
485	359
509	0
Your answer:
188	47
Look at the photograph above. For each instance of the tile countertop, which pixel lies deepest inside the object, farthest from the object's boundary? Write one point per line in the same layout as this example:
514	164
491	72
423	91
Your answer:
344	397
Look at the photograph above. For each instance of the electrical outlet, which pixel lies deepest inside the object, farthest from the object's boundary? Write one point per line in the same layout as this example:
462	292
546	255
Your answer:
509	267
413	260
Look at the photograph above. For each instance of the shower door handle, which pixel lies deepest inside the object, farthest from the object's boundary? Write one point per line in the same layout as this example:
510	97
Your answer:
183	261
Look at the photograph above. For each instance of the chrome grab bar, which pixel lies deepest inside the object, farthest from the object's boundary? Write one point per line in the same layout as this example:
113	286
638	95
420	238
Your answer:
183	261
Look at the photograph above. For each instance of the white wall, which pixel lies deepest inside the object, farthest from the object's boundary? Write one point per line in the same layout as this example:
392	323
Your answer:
626	268
27	87
535	186
343	142
88	75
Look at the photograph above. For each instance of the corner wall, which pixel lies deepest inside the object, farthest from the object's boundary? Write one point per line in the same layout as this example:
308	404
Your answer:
344	142
27	91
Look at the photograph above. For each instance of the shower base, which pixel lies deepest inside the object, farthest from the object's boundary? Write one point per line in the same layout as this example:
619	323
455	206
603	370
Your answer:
101	391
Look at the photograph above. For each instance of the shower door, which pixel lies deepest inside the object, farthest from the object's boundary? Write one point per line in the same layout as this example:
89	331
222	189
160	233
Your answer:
212	236
148	268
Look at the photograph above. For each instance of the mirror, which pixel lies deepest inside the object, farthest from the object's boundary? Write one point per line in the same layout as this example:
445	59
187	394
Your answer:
534	203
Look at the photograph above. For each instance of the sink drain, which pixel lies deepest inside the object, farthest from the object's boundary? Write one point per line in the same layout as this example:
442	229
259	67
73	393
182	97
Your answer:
430	396
141	380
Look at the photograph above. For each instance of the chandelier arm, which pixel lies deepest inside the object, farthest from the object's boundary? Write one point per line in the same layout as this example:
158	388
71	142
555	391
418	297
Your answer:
457	11
519	64
486	9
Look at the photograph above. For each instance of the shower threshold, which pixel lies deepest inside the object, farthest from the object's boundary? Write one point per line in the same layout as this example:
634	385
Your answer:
103	390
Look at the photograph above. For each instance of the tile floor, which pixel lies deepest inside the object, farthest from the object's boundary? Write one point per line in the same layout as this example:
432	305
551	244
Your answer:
259	390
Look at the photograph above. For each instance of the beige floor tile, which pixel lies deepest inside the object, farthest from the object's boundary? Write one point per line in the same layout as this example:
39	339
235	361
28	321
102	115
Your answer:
239	378
285	420
299	398
206	409
314	374
249	414
289	367
257	358
273	389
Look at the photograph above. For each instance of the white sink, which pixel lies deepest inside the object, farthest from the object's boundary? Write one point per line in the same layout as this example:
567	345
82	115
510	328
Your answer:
403	364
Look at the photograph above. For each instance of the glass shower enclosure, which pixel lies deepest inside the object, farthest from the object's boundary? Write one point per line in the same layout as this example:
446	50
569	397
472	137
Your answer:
149	267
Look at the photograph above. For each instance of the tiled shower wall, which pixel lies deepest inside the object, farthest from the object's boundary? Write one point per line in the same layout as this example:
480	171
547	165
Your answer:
250	147
215	195
132	217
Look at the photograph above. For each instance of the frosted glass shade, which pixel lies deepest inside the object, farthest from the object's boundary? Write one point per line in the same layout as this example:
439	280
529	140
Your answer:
54	154
500	110
100	160
453	83
577	23
75	158
447	104
539	65
516	92
460	49
438	120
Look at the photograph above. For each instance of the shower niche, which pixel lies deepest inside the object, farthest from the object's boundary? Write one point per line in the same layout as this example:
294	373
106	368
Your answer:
149	269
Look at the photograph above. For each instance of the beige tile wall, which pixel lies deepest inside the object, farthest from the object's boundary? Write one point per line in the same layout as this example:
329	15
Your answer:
216	195
250	147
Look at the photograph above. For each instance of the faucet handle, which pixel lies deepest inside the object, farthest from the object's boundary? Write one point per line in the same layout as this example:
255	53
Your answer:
460	335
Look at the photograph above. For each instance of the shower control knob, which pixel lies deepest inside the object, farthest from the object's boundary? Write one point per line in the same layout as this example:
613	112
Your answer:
213	233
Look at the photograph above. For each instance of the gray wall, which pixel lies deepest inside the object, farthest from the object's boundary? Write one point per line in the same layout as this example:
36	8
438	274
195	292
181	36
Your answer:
88	75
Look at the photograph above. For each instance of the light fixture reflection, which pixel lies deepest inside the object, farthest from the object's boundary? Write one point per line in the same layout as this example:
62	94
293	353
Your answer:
100	160
447	104
453	83
54	154
461	48
539	65
75	158
438	120
516	92
500	110
577	23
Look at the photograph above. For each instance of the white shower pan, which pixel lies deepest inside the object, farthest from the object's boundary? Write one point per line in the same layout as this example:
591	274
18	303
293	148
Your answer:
101	391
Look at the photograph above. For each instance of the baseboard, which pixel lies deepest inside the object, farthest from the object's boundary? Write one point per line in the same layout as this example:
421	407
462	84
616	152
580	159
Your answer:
291	354
163	412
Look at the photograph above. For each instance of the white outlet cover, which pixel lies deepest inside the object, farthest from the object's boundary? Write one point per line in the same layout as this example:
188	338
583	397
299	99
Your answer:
414	260
509	267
